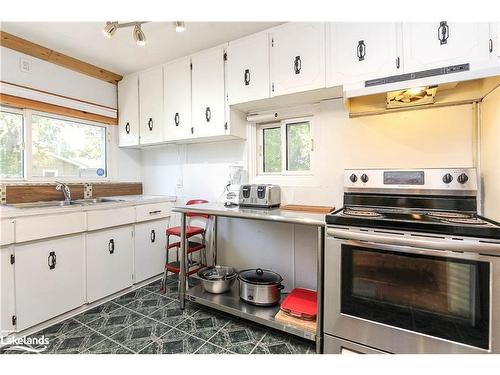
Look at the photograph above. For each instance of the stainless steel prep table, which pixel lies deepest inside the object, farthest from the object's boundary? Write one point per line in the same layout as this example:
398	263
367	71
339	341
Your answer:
230	302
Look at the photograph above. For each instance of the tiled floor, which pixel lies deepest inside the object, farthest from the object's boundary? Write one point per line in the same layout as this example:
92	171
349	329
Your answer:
146	321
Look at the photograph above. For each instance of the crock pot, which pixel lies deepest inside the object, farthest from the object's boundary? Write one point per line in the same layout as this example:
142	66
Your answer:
260	287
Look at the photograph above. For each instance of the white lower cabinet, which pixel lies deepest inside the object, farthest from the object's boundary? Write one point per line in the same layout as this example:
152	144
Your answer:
7	299
49	277
149	249
109	261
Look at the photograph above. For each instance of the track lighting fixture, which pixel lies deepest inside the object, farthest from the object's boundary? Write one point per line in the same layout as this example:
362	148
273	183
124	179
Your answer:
180	26
140	38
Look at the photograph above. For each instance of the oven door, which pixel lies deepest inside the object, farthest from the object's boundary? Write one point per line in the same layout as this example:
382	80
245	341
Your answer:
410	299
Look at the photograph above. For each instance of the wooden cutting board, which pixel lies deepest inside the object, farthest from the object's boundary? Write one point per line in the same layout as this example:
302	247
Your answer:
307	325
306	208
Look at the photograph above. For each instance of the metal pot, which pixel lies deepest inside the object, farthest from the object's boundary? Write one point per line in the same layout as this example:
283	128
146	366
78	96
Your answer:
217	279
260	287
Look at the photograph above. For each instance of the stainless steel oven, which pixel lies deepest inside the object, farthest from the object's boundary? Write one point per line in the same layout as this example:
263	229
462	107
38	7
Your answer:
404	292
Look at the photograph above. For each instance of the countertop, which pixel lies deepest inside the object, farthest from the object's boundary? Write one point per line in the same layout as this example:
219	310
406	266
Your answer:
7	211
273	214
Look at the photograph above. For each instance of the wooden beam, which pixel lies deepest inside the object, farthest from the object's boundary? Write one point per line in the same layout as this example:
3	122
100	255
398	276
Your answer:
24	46
18	102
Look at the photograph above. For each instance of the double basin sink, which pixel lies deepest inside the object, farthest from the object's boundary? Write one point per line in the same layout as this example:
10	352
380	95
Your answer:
79	202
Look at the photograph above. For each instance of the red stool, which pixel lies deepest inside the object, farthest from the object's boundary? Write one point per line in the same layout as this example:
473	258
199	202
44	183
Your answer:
193	247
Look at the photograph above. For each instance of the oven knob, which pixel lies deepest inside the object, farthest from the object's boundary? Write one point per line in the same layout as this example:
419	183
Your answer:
353	178
447	178
463	178
364	177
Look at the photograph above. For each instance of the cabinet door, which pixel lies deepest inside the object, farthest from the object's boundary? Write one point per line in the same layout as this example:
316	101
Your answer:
49	279
208	113
7	299
151	105
149	249
438	44
248	69
178	99
361	51
109	262
128	111
297	58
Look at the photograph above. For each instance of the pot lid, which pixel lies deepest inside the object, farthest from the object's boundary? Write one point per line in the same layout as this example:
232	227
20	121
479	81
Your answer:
260	276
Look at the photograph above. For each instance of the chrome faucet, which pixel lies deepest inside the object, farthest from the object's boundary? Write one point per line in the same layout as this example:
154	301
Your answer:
65	189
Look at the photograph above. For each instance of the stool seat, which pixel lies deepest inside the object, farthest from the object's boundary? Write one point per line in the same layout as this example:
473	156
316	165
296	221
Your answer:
190	231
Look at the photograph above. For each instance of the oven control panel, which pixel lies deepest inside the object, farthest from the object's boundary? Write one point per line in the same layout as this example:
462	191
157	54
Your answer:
453	179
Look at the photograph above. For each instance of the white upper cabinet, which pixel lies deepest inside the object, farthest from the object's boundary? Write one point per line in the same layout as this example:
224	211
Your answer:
208	93
248	68
177	91
128	114
297	58
443	43
151	106
361	51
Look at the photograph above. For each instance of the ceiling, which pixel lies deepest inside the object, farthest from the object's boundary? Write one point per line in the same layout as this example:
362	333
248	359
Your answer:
120	54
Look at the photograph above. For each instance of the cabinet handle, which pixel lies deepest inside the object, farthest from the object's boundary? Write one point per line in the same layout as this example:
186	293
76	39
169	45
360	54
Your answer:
150	124
154	212
297	65
208	114
246	77
52	260
361	50
153	236
127	128
111	246
491	45
397	62
192	130
176	119
443	32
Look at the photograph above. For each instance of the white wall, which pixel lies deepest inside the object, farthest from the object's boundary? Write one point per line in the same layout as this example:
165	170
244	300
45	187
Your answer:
490	154
438	137
55	79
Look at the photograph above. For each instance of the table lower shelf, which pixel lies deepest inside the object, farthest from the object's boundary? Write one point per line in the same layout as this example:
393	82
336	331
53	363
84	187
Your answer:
231	303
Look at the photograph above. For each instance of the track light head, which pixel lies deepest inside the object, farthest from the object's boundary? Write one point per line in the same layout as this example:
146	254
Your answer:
139	36
110	29
180	26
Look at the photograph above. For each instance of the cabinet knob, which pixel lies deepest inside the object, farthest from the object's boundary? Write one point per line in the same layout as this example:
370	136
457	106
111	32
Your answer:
192	130
443	32
176	119
361	50
208	114
153	235
297	65
150	124
246	77
52	260
111	246
127	127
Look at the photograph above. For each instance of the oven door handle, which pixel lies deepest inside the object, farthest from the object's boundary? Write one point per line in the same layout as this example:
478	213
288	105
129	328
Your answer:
417	242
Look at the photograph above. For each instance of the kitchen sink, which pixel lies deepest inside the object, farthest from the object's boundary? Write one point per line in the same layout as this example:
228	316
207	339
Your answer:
76	202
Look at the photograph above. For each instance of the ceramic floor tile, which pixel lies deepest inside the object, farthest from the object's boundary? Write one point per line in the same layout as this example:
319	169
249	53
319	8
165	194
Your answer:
97	312
112	322
275	342
108	347
131	296
75	341
208	348
174	342
172	313
15	349
150	303
238	336
154	287
140	334
57	329
203	324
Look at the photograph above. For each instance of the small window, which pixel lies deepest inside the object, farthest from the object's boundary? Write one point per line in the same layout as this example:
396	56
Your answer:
11	145
285	148
63	148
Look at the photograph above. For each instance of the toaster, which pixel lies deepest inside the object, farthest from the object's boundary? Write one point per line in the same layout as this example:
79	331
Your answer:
265	196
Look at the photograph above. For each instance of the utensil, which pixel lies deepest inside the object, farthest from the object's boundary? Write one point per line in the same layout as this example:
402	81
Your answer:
217	279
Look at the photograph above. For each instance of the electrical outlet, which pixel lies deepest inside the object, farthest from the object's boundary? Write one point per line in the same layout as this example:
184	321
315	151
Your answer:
24	65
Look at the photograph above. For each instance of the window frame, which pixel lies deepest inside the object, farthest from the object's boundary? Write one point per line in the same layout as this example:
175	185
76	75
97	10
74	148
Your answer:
283	124
27	148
